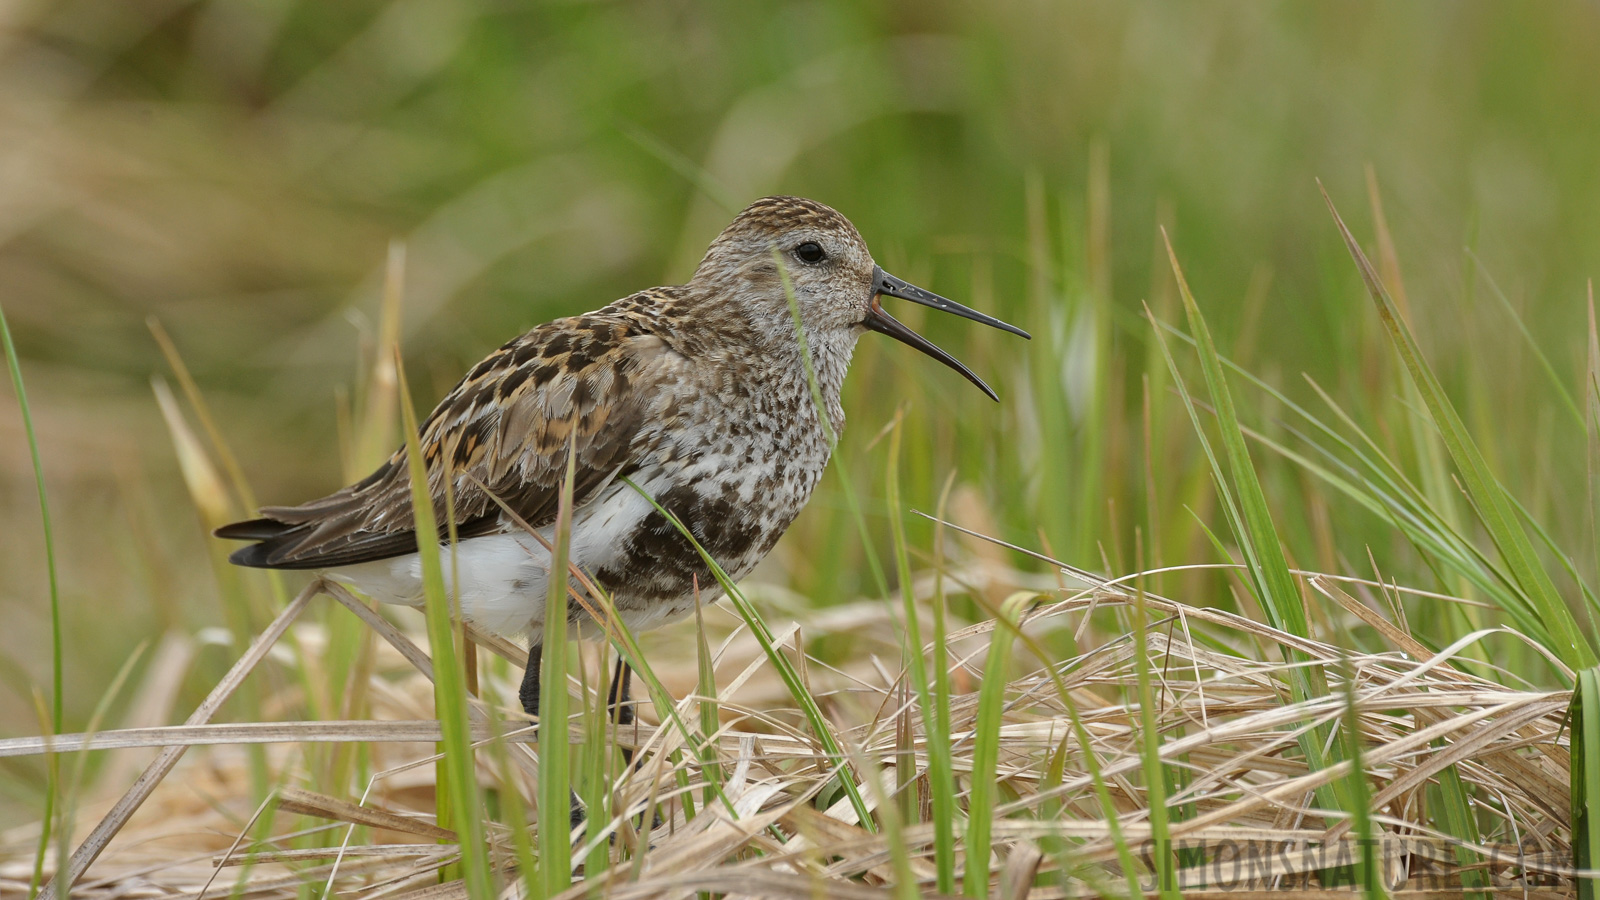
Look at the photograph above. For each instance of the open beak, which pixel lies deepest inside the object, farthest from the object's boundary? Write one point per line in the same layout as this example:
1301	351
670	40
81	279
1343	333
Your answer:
886	285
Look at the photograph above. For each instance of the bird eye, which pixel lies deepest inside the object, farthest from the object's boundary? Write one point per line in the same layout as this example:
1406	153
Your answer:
810	252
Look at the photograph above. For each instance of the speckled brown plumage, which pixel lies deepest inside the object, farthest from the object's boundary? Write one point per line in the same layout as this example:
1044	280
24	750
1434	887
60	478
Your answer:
696	393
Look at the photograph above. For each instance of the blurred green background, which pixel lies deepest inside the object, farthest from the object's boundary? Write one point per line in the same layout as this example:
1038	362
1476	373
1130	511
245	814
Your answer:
238	169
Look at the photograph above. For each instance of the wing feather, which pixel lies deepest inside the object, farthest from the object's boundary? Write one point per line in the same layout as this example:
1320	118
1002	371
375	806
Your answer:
503	432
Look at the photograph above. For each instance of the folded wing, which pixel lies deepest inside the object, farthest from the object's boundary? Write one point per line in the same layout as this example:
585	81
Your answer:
588	383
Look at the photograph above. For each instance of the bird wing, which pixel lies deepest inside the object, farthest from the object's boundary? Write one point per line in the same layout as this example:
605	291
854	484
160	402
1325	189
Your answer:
588	382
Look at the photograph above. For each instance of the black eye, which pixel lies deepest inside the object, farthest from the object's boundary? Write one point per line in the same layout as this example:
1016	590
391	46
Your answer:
810	252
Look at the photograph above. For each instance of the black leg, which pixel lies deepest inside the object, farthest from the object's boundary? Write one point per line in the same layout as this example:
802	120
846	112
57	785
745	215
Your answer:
529	694
620	703
576	815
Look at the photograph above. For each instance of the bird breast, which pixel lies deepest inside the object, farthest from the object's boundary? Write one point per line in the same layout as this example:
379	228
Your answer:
742	462
735	463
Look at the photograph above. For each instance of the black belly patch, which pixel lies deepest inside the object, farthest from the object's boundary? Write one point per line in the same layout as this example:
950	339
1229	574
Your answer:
661	564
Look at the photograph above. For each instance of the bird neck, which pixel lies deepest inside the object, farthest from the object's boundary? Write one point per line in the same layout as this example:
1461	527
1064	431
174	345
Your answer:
760	326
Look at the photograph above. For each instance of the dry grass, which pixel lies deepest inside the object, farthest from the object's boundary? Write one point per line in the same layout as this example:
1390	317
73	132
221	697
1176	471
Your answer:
1244	796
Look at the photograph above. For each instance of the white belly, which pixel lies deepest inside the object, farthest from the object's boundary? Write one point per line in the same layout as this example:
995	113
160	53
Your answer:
502	580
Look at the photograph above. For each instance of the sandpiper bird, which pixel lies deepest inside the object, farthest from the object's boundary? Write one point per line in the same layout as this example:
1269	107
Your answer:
698	394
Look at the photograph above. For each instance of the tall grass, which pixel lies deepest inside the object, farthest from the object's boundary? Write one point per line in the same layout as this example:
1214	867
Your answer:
1585	779
932	691
554	781
462	808
55	719
1534	601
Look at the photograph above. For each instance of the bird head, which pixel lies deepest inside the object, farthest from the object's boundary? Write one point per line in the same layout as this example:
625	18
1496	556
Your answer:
783	255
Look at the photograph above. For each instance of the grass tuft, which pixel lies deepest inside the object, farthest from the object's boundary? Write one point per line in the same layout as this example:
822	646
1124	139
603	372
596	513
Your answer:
1539	608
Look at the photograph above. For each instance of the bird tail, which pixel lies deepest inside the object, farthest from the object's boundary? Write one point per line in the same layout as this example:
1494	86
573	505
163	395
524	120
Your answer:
269	537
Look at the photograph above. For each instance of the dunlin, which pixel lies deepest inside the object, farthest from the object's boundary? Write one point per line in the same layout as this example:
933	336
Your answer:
699	394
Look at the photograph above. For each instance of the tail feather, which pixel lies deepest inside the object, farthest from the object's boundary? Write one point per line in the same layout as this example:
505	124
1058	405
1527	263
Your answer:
271	538
290	545
253	530
256	556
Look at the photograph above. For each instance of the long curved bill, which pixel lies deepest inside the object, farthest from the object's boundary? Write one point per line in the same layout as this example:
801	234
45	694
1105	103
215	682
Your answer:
886	285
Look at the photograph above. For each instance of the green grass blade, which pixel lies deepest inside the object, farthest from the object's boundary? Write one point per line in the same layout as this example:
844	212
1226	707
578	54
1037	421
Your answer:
512	809
941	777
57	702
596	764
1369	870
710	718
1387	491
1108	806
1592	456
1246	507
1155	775
1585	718
1268	563
986	746
941	769
465	805
1430	532
1459	821
1427	452
1494	507
555	777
